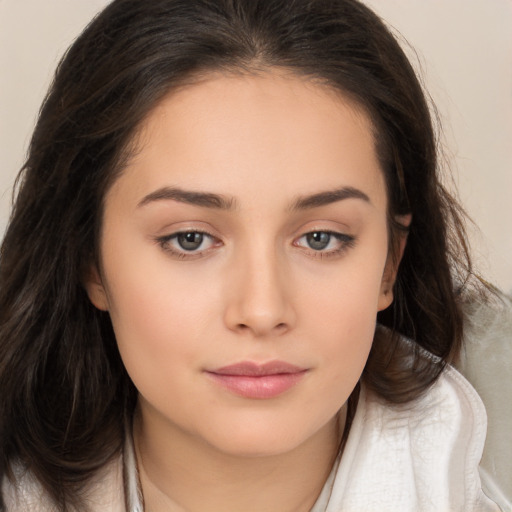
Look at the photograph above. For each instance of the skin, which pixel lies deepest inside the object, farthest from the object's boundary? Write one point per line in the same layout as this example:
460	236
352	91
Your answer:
255	290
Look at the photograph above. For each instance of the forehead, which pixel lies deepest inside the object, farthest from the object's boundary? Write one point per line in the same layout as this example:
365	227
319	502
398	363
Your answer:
273	133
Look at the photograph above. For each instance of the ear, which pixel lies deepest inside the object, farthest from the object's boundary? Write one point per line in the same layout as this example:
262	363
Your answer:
393	262
95	289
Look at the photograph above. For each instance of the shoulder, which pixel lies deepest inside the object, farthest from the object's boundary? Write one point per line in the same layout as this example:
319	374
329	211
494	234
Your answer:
419	456
25	494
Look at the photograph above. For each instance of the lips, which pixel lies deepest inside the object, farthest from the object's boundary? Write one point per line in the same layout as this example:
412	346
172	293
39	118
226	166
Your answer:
258	381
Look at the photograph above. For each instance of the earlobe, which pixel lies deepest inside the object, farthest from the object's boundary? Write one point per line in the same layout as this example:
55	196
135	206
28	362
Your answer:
386	296
95	289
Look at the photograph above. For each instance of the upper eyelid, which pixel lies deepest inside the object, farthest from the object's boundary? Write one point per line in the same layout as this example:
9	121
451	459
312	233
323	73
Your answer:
170	233
175	234
317	229
210	233
329	231
346	243
191	230
335	234
331	225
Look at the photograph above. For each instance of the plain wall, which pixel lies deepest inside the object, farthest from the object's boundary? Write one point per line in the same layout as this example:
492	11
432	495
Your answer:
464	49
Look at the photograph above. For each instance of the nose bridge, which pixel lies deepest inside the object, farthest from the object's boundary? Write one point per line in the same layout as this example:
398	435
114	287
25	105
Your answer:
259	300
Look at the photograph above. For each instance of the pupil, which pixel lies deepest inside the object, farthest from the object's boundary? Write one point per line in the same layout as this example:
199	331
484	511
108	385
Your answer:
318	240
190	241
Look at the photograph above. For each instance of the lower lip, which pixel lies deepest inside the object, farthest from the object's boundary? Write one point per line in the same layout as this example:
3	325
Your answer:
258	387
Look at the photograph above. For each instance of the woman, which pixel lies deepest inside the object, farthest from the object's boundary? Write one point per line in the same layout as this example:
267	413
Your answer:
221	201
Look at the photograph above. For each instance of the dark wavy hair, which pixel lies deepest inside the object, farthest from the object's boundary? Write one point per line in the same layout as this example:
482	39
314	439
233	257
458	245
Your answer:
64	393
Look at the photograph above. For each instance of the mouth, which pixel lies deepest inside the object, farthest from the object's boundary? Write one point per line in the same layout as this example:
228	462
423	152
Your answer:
258	381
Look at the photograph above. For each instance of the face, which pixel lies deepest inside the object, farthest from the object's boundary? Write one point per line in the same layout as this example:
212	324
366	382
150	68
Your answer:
244	259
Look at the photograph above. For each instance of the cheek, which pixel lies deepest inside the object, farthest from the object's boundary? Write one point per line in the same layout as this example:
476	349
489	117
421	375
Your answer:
152	308
343	313
159	334
347	333
347	293
160	317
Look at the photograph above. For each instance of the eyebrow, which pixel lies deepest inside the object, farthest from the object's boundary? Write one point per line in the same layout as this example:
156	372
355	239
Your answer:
220	202
328	197
204	199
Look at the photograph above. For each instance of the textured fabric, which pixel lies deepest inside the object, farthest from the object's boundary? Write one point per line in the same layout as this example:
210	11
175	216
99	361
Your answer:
422	457
486	361
105	495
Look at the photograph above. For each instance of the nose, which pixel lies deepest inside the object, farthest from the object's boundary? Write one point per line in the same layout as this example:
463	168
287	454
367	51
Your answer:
259	297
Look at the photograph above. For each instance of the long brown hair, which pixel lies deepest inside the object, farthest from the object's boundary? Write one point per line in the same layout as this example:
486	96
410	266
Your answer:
64	393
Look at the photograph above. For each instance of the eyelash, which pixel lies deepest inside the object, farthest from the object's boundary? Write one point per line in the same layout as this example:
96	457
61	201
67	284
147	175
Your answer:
164	243
345	241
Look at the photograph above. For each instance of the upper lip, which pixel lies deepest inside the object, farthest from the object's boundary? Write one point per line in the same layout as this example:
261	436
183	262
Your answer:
252	369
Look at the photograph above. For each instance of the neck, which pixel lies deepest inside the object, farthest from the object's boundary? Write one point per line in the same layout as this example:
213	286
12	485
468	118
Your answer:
180	473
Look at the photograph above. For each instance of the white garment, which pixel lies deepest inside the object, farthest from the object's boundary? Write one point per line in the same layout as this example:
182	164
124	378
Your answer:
419	457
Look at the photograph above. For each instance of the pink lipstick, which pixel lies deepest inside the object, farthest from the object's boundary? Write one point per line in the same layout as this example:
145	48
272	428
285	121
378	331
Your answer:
258	381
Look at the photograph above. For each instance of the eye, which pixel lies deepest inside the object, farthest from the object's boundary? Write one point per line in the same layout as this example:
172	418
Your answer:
191	241
325	242
187	243
318	240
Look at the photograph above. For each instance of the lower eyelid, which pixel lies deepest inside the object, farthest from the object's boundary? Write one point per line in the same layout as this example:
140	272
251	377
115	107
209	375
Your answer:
346	242
339	251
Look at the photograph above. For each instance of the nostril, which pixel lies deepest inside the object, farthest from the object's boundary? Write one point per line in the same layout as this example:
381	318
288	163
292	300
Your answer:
283	326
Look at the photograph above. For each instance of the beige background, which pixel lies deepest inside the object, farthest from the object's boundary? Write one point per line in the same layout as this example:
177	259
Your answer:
464	49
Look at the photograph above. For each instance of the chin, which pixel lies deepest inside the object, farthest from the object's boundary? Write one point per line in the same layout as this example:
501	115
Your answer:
254	446
264	438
